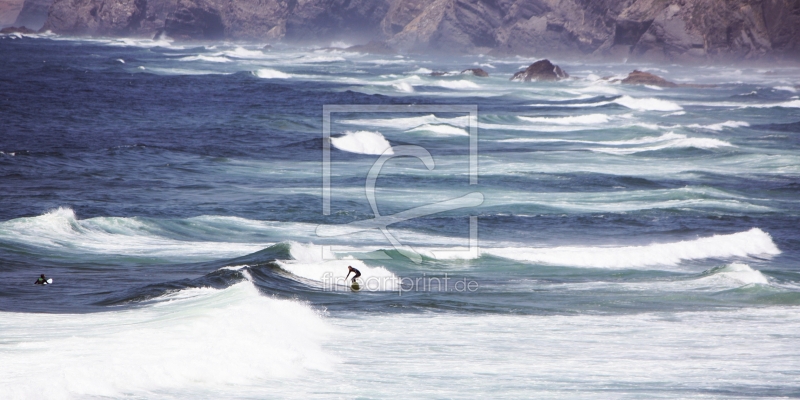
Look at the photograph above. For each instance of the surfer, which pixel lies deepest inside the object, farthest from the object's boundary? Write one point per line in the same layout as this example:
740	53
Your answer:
41	281
351	269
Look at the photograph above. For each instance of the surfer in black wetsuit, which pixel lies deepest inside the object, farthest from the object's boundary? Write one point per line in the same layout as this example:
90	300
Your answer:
41	281
351	269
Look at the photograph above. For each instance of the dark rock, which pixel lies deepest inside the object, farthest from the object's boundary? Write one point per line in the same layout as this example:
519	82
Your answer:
312	21
476	72
373	47
194	23
14	29
114	18
542	70
645	78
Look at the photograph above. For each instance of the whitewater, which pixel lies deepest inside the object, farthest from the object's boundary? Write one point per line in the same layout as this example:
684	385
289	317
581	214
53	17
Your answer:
572	239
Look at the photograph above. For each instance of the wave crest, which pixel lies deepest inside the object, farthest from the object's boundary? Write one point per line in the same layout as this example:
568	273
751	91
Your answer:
362	142
742	244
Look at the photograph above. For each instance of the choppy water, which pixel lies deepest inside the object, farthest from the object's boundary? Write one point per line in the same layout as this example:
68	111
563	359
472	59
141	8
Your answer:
633	241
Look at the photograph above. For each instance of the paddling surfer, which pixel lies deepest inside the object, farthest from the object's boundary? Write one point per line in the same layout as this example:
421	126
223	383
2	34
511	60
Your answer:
41	281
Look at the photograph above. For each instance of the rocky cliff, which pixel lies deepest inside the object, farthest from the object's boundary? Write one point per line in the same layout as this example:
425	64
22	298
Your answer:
33	13
9	9
651	29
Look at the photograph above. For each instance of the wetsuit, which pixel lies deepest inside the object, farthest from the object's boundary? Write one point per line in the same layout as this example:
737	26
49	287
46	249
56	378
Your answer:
358	273
40	281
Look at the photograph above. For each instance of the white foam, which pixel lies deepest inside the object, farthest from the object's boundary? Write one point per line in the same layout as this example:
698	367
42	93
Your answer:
406	123
663	354
461	84
60	230
722	125
318	59
647	104
201	57
268	73
197	339
241	52
668	141
643	140
573	105
403	87
340	44
440	129
422	70
743	244
786	89
362	142
736	273
786	104
569	124
588	119
730	104
310	263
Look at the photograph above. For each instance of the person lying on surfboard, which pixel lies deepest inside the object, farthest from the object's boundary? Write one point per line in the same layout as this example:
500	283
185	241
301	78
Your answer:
351	269
41	281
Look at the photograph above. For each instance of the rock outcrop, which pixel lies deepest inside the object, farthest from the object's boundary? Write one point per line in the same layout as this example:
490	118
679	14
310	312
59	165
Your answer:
17	29
475	72
542	70
9	9
660	30
373	47
645	78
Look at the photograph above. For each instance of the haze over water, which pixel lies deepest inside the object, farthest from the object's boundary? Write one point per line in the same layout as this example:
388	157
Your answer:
634	241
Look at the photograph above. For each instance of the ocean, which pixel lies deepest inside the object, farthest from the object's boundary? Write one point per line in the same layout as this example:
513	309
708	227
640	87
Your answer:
197	207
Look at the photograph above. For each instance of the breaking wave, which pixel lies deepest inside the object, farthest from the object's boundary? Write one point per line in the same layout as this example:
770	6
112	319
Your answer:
200	338
362	142
743	244
268	73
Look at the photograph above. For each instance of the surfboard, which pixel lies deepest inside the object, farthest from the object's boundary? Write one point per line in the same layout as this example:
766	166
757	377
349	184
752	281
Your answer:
355	286
48	282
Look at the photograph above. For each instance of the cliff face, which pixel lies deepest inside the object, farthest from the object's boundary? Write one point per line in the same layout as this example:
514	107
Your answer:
34	13
9	9
651	29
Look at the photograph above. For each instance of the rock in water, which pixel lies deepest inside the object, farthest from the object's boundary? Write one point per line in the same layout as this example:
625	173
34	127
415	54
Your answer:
14	29
645	78
542	70
373	47
476	72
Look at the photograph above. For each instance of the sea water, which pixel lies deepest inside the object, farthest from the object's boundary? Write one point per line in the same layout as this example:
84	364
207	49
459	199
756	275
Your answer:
629	241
